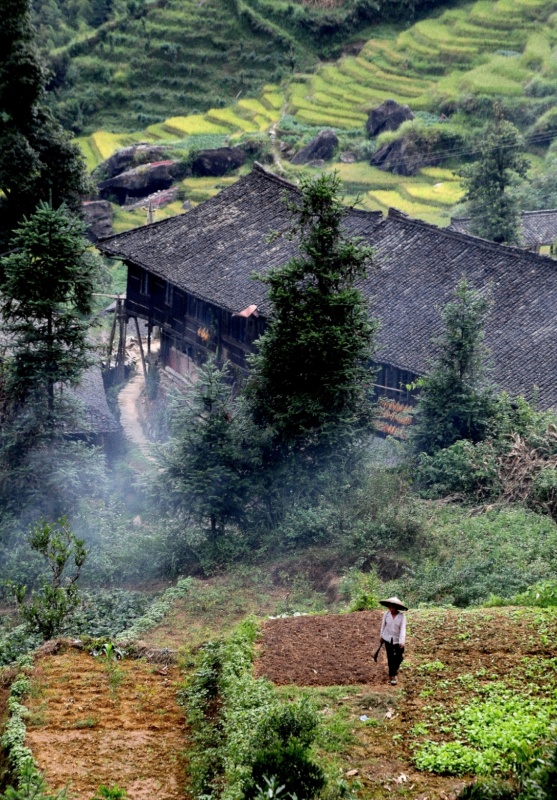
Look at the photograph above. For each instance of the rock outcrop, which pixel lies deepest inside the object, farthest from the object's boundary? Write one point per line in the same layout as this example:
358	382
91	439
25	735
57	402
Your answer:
129	157
402	157
217	162
389	116
98	217
320	148
141	181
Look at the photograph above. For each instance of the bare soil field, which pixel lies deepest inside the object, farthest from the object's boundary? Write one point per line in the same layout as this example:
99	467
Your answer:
89	726
93	723
323	650
450	656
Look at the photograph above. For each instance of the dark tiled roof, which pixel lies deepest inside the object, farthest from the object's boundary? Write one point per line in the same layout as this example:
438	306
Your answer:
538	227
213	250
419	265
90	393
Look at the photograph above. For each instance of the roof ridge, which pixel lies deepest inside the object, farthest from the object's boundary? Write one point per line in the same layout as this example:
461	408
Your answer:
258	167
486	243
541	211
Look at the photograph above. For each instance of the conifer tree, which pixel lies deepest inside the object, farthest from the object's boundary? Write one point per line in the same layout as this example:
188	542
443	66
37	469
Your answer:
493	207
456	400
37	159
45	303
208	463
311	375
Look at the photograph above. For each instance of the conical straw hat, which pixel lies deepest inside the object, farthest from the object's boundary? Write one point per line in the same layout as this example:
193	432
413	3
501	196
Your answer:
394	601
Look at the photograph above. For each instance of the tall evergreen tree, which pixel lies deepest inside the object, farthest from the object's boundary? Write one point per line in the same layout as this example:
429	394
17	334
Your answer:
37	159
311	375
456	399
208	463
488	181
45	302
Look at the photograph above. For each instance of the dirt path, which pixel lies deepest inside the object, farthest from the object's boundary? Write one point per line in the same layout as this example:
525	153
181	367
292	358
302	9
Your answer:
88	729
128	400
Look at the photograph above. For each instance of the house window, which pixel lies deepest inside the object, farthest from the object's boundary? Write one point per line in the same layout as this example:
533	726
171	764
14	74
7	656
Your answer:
169	294
144	283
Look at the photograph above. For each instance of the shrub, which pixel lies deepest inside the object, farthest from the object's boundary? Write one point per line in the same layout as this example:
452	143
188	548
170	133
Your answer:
487	789
361	589
292	768
463	468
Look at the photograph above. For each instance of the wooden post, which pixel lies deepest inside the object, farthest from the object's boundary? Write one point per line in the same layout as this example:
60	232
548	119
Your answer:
121	352
143	364
113	331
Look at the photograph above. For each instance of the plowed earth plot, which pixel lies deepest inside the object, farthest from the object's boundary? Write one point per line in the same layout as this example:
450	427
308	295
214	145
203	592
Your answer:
91	725
323	650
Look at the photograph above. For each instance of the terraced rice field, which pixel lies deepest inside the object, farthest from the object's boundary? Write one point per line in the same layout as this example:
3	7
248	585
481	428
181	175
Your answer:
482	49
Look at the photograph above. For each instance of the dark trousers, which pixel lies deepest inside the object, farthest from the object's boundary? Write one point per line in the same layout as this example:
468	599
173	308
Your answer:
395	657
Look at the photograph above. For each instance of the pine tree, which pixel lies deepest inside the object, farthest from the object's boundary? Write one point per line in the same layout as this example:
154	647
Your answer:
456	401
208	463
37	159
45	303
311	375
493	208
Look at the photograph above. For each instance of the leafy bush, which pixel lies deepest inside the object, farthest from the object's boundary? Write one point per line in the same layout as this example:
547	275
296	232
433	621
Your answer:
361	589
488	789
540	783
463	468
291	766
241	733
58	598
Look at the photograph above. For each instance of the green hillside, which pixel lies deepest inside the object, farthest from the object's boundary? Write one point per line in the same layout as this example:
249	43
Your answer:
457	64
126	64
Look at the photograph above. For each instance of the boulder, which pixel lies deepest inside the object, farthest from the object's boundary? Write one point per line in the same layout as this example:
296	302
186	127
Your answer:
129	157
402	157
98	217
347	157
217	162
321	148
389	116
141	181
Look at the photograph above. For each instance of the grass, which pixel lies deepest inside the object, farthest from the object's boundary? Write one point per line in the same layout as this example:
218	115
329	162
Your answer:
193	125
437	61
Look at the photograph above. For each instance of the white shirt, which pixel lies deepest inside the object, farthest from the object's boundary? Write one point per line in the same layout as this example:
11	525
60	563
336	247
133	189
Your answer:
393	628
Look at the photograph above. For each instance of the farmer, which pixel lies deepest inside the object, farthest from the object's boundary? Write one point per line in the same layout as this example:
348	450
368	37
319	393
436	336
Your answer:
393	635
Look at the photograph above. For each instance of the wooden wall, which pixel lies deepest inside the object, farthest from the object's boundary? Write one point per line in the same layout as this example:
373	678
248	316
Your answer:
189	323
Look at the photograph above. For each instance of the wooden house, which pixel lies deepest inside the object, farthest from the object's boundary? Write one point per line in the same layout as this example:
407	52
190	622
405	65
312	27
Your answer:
192	276
537	228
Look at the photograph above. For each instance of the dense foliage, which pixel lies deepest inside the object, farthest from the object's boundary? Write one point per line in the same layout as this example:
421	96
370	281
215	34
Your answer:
311	374
45	303
37	159
493	208
208	465
241	732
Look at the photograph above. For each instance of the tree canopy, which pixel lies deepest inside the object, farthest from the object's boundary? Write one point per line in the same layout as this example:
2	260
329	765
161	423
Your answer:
46	300
493	207
37	159
456	400
208	464
311	374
